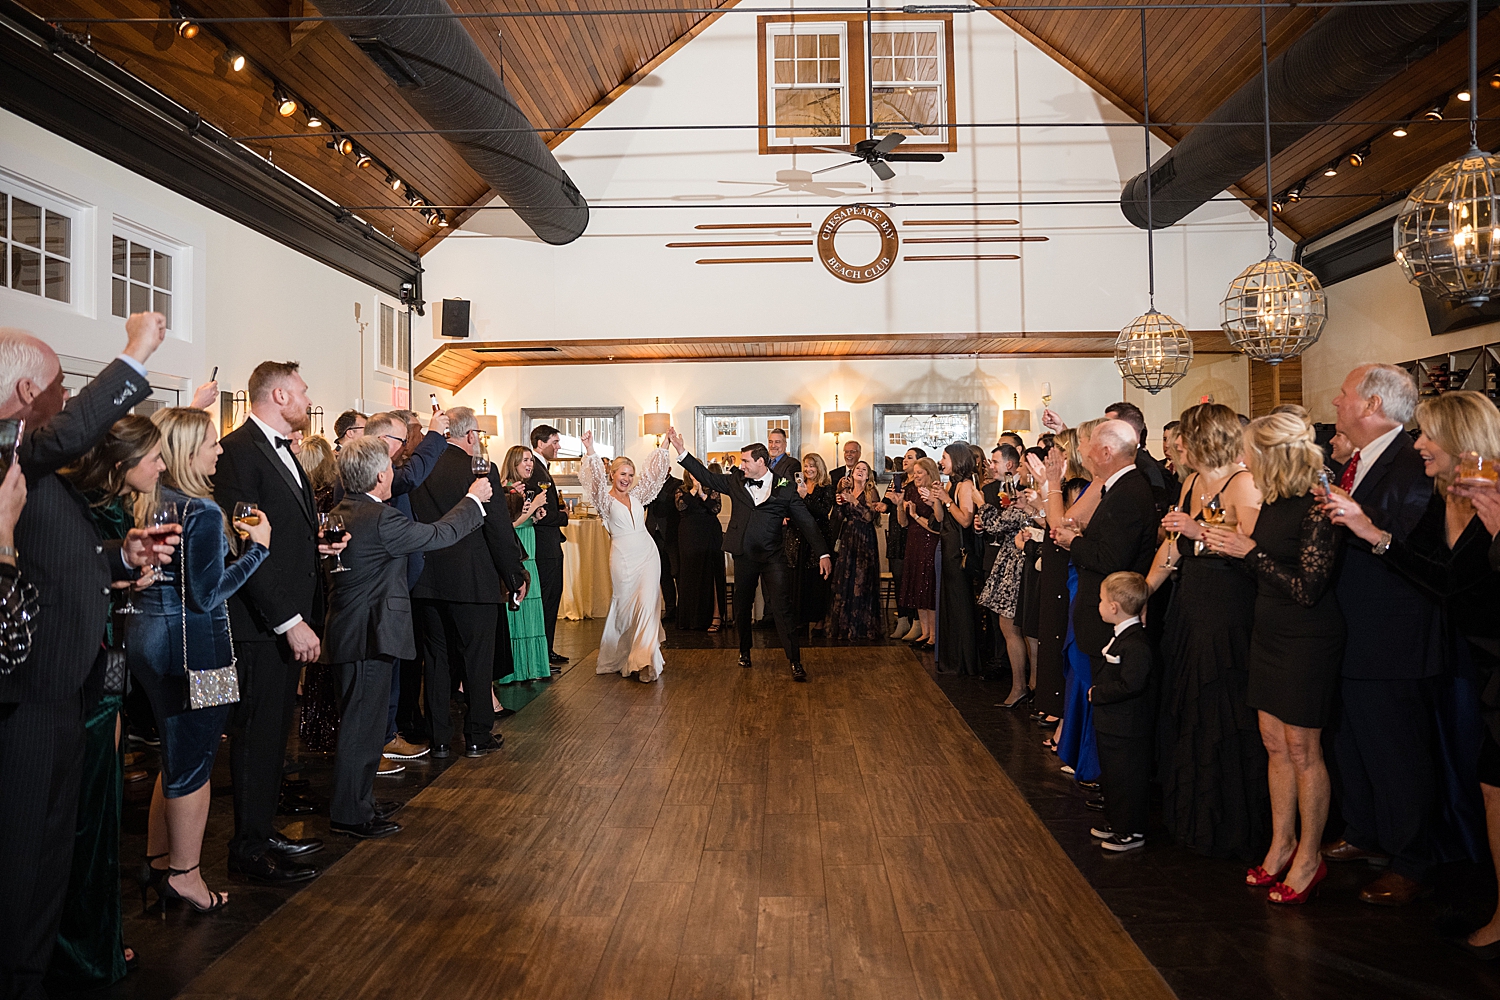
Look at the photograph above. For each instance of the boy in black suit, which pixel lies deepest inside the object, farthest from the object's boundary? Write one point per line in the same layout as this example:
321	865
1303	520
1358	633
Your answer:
1124	719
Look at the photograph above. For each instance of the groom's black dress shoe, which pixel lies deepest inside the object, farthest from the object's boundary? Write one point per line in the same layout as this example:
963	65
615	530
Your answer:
478	748
556	658
441	750
271	869
372	829
287	847
745	660
385	808
798	674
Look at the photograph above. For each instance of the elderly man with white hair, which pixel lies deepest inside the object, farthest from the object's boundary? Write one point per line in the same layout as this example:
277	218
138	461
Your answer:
42	700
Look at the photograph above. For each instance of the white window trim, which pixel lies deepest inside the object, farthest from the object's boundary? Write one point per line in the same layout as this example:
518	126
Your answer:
778	28
938	28
183	272
81	273
388	370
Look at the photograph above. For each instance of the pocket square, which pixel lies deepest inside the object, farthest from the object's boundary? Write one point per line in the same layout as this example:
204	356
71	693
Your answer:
1111	659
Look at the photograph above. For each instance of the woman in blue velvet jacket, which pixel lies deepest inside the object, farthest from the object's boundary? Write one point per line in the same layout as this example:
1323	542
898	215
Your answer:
188	615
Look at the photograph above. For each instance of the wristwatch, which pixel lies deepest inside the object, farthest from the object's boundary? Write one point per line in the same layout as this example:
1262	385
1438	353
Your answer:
1380	547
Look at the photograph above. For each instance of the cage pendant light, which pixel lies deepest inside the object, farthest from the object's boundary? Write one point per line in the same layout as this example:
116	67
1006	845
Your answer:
1448	233
1275	309
1154	351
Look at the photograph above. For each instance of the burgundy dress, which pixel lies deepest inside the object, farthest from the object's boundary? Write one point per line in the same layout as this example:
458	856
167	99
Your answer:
918	574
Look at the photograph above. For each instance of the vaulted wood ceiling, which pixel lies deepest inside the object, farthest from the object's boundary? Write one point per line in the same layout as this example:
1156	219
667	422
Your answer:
559	68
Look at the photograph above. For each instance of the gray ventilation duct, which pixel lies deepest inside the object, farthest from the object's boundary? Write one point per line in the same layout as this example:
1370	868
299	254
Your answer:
444	76
1345	56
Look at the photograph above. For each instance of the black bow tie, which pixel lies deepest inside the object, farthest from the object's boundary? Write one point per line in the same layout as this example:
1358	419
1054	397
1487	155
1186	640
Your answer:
757	483
286	443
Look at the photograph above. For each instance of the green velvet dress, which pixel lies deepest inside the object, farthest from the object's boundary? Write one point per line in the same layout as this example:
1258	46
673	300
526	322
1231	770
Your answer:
90	951
528	633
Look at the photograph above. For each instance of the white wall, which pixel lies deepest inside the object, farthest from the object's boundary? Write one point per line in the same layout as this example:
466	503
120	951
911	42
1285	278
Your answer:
253	298
619	279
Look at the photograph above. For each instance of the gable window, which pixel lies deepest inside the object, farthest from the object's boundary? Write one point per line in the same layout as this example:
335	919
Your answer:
392	339
36	248
837	79
140	278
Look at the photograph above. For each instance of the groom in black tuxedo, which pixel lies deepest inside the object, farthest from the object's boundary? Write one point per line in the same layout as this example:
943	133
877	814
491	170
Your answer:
763	502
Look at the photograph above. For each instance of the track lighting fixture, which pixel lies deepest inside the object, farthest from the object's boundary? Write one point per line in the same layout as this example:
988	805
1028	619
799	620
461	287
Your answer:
286	104
1495	80
343	144
1435	112
1358	157
393	181
1463	95
187	28
1294	193
413	199
442	220
235	59
1399	131
1332	170
314	120
363	160
1278	204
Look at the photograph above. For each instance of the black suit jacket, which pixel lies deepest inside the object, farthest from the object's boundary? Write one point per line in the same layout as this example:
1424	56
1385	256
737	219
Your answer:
1392	631
662	515
61	552
549	535
481	568
1120	536
786	466
369	607
1162	493
1123	691
754	531
290	582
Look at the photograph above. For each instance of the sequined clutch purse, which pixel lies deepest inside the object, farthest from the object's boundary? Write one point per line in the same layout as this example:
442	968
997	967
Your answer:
220	685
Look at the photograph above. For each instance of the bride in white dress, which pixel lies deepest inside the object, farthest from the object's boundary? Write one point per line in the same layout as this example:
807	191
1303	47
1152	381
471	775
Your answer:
633	632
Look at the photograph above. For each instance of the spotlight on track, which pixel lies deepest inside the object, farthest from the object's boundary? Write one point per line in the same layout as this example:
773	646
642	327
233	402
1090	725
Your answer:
442	220
1358	157
187	28
1399	131
1294	193
1332	170
393	181
363	160
314	120
342	144
235	59
1435	112
286	104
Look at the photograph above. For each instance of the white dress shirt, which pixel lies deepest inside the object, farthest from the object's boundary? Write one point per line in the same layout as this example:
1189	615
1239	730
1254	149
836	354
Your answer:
1119	630
1372	451
1109	483
290	461
762	492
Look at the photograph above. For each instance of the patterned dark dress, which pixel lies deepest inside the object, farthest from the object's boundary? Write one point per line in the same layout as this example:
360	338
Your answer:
700	559
854	611
1001	592
919	570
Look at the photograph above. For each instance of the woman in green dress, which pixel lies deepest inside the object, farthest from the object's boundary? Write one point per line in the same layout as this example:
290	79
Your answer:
528	634
90	953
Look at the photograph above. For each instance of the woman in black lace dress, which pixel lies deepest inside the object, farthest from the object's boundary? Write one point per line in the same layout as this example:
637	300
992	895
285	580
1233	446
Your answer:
1213	765
700	554
854	611
809	589
954	506
1296	645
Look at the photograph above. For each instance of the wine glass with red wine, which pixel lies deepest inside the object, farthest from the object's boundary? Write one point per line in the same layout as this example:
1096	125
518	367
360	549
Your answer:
331	531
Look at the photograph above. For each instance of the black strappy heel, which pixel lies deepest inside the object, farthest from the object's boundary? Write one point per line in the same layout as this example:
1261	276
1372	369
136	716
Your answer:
149	878
165	891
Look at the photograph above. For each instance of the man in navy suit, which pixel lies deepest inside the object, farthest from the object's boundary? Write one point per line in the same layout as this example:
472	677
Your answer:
763	502
1385	765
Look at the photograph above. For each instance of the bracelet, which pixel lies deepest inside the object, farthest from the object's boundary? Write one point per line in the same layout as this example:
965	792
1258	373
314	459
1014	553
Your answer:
1379	548
9	550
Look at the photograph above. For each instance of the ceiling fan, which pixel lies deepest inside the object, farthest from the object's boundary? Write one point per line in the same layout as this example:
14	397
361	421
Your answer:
876	152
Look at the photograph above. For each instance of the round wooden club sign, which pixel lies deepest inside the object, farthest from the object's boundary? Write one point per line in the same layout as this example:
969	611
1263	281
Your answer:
890	243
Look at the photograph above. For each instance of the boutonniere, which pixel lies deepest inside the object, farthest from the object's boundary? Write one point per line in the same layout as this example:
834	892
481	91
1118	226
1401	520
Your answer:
781	482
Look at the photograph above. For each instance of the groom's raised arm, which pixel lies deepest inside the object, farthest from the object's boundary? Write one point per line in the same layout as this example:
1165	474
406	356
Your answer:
720	482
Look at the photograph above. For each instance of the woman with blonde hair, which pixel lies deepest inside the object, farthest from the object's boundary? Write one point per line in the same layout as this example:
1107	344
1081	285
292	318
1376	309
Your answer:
919	571
1296	644
809	591
1448	556
1213	764
528	633
633	633
184	627
319	462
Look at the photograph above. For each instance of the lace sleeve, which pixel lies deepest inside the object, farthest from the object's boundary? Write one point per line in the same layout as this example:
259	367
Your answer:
595	481
648	483
1308	579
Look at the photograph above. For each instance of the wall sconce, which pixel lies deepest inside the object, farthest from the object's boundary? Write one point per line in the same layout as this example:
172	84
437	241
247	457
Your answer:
315	420
489	423
657	422
836	422
1016	419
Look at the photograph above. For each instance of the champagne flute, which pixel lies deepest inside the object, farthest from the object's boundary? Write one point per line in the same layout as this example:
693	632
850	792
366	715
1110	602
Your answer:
331	529
1172	536
164	516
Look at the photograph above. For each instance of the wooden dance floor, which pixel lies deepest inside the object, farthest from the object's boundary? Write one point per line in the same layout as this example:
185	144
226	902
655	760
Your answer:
724	834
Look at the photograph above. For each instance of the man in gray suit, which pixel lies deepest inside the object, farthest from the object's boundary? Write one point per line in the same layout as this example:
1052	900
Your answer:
369	623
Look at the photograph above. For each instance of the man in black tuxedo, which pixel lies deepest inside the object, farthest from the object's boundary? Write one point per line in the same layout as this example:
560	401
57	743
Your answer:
44	699
763	502
272	615
1121	536
369	623
1384	759
545	440
460	593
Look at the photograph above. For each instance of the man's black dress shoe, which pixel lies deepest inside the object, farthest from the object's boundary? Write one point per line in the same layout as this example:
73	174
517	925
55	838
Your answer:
441	750
386	808
1092	786
296	805
478	748
745	660
270	869
1095	804
295	785
798	674
287	847
372	829
555	658
504	713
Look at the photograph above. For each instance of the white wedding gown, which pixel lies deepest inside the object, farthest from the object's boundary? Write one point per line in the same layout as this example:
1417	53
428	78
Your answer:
633	632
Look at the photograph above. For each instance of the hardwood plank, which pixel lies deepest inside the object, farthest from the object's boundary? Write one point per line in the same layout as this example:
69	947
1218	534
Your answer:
926	895
726	904
735	823
951	964
561	964
714	977
696	779
848	831
792	958
599	888
791	856
675	849
837	770
640	797
895	804
864	932
641	956
747	763
790	787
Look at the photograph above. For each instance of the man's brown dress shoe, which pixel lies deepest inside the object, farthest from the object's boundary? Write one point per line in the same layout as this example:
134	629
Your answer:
1392	889
1342	850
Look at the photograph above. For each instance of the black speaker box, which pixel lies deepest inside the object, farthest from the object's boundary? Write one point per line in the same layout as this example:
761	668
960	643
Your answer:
455	318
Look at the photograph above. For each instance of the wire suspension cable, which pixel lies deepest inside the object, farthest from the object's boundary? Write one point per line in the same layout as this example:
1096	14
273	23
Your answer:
1474	74
1146	133
1265	93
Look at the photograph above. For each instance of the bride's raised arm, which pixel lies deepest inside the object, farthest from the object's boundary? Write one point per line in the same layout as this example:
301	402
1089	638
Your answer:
593	476
649	481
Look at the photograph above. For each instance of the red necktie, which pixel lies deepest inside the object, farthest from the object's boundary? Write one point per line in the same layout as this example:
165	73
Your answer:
1346	481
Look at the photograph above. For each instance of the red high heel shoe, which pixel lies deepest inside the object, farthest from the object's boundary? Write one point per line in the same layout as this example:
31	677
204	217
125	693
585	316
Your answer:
1259	877
1283	894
